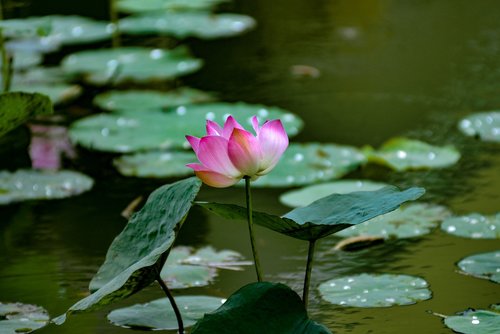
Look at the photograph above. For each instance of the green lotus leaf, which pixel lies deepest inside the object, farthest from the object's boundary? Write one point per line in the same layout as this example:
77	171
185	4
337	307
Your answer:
264	308
135	100
159	315
412	220
21	318
475	321
126	132
484	265
138	253
141	6
371	290
156	164
204	25
406	154
125	64
474	225
24	185
485	125
307	195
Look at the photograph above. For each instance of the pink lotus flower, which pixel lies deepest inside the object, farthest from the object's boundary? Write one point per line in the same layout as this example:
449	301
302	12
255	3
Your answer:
230	153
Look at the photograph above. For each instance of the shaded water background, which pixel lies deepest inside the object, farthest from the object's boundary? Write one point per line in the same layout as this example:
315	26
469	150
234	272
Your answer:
388	68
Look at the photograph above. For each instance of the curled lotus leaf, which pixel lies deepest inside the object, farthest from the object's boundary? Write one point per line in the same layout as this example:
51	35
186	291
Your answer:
475	321
142	6
474	225
409	221
21	318
484	265
201	24
485	125
371	290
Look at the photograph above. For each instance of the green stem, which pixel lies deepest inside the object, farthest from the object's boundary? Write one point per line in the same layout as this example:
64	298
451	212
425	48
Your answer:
178	316
256	260
6	72
113	13
307	278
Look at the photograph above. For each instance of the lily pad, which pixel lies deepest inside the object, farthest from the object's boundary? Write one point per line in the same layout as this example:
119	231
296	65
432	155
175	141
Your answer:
368	290
141	6
135	100
22	60
58	93
412	220
485	125
18	318
159	315
475	321
307	195
201	24
155	164
24	185
265	308
406	154
126	132
475	226
306	163
137	64
484	265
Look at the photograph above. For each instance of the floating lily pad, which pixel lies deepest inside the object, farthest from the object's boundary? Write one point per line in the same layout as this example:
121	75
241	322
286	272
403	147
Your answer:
138	64
484	125
412	220
58	93
125	132
22	60
475	322
25	185
141	6
18	318
307	195
307	163
484	265
134	100
159	315
155	164
205	25
367	290
33	44
405	154
475	226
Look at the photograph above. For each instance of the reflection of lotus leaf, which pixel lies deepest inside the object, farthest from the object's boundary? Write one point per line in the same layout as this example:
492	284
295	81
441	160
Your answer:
475	226
475	321
140	6
309	194
156	164
130	64
412	220
366	290
203	25
485	125
21	318
484	265
406	154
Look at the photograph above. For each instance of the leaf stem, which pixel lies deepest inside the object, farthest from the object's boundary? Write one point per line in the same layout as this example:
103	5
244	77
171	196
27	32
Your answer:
307	278
178	316
113	14
256	259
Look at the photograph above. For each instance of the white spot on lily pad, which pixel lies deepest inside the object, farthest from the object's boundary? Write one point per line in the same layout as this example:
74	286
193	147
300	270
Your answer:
475	321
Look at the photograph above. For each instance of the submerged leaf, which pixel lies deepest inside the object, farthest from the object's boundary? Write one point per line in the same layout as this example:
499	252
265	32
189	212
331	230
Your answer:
475	322
485	125
484	265
474	225
21	318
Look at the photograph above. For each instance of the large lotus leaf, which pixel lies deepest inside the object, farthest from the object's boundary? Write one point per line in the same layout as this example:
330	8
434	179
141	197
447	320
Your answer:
159	315
475	321
25	185
484	125
369	290
126	132
205	25
141	6
264	308
405	154
327	215
21	318
475	226
58	29
138	253
137	64
138	100
412	220
58	93
484	265
155	164
17	108
306	163
307	195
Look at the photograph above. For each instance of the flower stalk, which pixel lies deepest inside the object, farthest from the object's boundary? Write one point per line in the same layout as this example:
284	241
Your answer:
255	253
307	278
171	299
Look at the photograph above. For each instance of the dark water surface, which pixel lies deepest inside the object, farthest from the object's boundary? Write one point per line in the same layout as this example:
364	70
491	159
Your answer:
387	68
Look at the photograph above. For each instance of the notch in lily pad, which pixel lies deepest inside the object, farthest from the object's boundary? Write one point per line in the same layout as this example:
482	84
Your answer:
474	321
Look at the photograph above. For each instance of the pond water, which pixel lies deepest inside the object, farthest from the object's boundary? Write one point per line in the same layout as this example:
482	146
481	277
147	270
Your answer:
387	68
